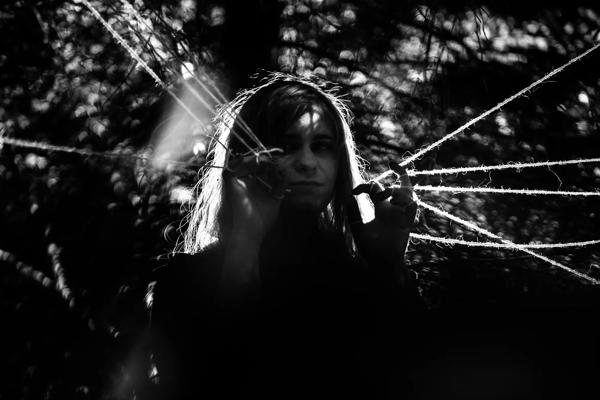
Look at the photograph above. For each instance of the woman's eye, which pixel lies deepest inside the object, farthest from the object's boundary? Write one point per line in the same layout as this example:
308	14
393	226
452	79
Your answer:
323	146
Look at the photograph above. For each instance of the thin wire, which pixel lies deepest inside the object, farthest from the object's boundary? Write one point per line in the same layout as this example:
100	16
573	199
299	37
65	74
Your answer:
448	171
530	192
28	144
120	40
450	241
449	136
141	62
197	95
239	120
507	242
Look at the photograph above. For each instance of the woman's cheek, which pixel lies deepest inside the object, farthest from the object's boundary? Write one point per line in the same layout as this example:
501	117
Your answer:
330	168
284	165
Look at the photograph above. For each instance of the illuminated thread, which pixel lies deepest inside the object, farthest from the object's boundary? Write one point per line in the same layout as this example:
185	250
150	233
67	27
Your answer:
403	163
531	192
239	118
507	242
446	171
73	150
241	122
449	136
134	55
222	98
141	62
452	242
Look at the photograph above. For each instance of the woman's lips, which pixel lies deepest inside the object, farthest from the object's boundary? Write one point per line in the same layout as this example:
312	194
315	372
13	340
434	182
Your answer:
305	185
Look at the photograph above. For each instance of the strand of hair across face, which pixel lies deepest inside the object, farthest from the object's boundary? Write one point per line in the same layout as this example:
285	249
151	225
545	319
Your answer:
530	192
465	126
489	234
218	99
484	168
147	68
452	242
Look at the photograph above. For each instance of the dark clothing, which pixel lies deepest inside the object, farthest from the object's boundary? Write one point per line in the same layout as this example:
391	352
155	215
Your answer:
328	326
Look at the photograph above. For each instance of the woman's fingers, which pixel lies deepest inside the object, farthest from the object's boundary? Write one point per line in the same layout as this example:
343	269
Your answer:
258	170
244	165
398	195
401	196
402	193
402	175
374	189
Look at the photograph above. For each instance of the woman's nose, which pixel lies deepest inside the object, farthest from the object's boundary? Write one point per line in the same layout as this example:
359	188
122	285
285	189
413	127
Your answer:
305	161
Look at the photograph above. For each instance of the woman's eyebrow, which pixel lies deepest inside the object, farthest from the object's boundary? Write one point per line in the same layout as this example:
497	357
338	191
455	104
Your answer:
294	135
324	136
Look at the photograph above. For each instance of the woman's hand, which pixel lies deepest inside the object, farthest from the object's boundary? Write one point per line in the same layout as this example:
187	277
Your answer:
255	189
384	240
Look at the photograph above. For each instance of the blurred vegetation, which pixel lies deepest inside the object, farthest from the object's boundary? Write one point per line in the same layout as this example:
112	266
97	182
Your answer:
80	235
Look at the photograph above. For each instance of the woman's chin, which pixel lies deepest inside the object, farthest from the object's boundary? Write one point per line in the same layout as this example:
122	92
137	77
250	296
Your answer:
304	205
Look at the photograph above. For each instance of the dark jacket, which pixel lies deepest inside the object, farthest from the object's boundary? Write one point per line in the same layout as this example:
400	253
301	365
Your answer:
328	326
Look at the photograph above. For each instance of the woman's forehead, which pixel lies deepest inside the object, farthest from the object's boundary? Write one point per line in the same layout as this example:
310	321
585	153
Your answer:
314	120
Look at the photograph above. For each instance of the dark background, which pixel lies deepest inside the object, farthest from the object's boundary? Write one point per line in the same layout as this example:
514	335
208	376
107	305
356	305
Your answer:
80	234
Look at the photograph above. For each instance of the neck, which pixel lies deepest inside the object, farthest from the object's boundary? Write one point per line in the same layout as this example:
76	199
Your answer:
294	230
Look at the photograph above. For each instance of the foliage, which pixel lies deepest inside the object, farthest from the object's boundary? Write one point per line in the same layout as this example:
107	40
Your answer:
411	72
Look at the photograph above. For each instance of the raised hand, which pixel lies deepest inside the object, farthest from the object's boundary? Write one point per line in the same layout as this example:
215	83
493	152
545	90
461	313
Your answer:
385	238
255	189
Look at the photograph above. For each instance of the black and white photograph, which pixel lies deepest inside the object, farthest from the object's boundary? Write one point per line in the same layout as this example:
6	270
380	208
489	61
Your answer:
299	199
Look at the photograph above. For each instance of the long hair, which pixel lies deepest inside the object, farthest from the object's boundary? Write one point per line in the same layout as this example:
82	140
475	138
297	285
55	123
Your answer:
267	110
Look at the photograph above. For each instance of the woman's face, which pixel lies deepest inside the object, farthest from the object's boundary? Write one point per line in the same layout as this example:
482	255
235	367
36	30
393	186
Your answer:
310	159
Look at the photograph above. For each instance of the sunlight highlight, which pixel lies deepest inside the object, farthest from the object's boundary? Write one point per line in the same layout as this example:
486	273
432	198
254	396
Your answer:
179	135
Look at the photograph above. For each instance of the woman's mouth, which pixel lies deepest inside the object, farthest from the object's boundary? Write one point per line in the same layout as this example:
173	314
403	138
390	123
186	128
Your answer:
305	185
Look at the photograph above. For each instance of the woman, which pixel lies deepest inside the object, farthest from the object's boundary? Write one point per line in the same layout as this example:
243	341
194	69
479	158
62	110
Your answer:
282	290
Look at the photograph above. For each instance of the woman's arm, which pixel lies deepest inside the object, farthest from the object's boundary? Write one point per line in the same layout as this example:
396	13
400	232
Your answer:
239	282
384	240
253	200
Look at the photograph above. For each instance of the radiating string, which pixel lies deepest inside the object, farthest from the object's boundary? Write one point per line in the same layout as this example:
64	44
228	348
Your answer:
483	168
530	192
452	242
135	56
197	95
403	163
145	66
487	233
28	144
449	136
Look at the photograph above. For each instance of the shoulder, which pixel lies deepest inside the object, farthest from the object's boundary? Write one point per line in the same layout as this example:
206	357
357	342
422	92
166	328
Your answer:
186	265
187	277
